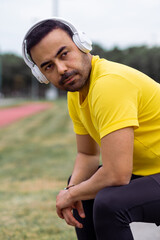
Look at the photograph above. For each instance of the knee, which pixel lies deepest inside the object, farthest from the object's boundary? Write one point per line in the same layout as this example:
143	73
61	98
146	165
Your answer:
109	206
105	203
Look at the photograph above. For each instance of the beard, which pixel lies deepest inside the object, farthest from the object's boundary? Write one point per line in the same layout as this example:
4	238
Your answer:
66	76
77	84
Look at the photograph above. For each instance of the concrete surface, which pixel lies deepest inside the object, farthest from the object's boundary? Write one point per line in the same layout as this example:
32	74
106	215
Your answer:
145	231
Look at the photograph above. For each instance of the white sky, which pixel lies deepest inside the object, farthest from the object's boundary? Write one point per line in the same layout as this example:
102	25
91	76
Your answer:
111	23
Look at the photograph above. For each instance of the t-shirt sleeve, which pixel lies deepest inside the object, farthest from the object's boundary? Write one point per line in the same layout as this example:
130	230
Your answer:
73	112
115	104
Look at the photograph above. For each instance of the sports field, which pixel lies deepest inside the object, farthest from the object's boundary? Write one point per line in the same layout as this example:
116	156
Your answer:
36	158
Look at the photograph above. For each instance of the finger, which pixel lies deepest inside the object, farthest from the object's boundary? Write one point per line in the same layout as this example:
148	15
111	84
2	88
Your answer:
80	209
59	213
70	220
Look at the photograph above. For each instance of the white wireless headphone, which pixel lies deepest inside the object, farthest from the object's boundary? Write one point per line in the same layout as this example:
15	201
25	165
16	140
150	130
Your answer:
79	38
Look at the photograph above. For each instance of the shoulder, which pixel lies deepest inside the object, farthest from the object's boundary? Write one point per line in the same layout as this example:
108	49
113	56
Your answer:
113	83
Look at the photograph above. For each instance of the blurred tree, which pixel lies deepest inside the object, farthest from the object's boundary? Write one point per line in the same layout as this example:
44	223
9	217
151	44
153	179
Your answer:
17	78
143	58
13	65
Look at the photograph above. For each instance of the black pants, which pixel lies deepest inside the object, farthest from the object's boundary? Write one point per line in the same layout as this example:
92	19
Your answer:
114	208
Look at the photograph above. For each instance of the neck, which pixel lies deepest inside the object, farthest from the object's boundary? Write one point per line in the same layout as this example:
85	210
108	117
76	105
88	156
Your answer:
84	91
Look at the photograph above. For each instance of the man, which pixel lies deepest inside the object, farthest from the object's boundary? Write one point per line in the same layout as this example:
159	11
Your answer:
115	112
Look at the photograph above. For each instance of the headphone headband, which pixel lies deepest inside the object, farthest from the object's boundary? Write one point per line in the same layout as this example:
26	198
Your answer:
79	38
73	29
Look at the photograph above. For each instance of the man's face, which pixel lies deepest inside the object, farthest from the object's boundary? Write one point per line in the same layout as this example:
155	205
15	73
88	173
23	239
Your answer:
63	64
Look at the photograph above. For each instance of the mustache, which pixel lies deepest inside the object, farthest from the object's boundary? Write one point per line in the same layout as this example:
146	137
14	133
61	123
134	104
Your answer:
66	75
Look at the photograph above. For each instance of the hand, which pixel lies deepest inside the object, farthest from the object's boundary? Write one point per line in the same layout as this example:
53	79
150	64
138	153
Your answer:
68	215
64	207
63	200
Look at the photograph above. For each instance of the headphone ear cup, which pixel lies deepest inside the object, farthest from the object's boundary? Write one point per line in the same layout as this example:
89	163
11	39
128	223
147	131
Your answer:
82	42
37	73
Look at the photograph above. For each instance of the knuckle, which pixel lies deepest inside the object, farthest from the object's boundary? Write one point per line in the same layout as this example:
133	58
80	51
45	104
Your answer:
57	205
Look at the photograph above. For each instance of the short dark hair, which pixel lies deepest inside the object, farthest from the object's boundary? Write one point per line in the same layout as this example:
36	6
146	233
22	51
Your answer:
39	32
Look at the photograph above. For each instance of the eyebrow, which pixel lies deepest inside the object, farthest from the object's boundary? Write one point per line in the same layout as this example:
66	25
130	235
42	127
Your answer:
59	51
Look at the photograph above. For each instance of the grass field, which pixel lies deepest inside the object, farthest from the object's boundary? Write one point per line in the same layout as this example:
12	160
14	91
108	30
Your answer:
36	158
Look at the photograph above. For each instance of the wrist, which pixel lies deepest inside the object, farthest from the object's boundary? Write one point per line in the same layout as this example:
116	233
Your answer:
69	186
73	191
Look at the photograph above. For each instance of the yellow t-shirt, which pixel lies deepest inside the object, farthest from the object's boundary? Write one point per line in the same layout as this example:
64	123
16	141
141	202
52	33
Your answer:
119	97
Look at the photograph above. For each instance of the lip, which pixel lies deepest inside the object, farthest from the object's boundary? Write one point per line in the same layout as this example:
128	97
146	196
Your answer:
69	80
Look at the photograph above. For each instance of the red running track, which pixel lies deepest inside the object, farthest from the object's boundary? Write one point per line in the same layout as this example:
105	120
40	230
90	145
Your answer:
10	115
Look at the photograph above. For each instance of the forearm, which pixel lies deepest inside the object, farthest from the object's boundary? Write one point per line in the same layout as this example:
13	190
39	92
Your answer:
85	166
102	178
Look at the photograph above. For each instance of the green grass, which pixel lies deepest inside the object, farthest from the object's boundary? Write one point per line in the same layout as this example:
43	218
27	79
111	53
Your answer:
36	158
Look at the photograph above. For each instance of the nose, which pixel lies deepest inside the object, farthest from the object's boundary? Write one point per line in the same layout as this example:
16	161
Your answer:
61	68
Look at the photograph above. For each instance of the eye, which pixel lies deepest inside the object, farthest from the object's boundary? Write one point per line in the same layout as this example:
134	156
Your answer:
64	54
49	66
